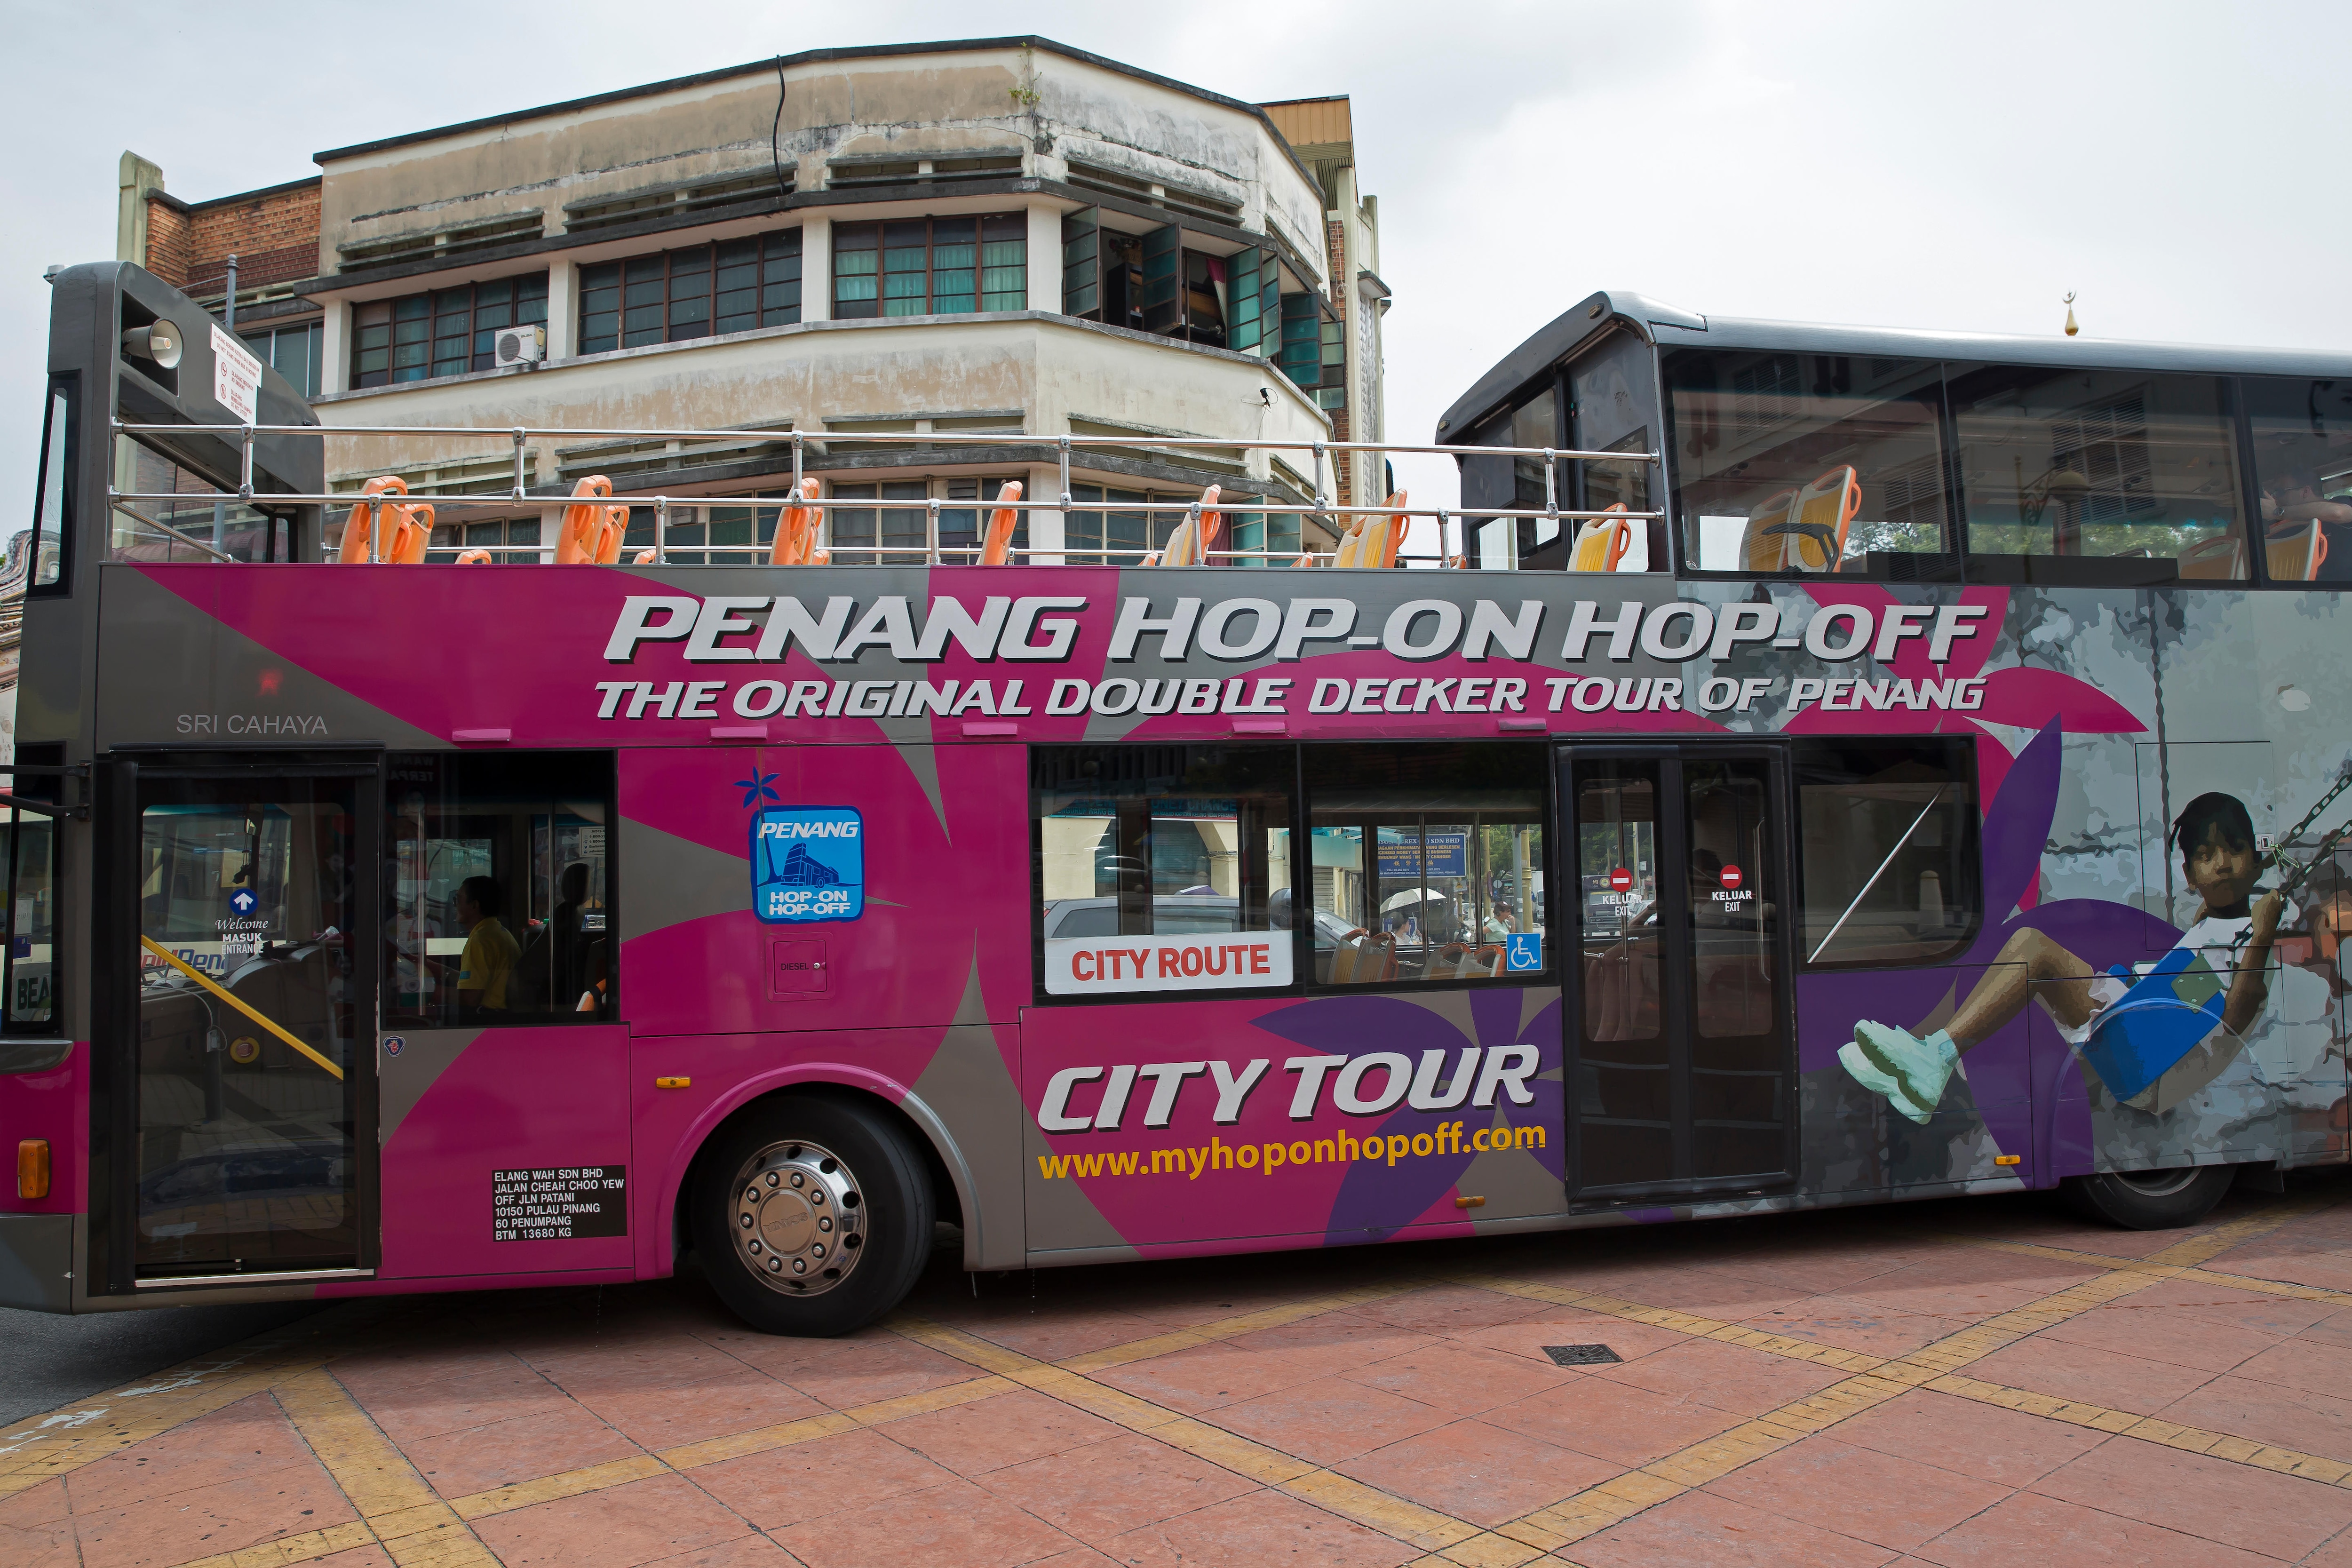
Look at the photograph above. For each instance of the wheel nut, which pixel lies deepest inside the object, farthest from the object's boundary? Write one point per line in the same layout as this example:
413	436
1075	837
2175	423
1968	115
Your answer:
755	1249
772	1178
818	1249
825	1221
746	1219
775	1266
799	1180
799	1265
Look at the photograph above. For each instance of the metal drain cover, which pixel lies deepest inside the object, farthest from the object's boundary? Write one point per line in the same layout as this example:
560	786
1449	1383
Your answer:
1581	1355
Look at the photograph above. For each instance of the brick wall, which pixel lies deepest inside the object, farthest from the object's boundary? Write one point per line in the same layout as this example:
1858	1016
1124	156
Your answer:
1343	464
274	236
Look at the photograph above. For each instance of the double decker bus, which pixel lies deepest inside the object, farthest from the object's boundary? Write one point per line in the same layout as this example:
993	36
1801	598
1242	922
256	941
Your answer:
1827	766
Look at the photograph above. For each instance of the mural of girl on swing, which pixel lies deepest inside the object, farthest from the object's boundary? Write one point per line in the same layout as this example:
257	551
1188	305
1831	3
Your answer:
2154	1035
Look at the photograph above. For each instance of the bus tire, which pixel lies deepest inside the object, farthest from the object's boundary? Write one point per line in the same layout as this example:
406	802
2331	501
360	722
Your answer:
2150	1200
812	1216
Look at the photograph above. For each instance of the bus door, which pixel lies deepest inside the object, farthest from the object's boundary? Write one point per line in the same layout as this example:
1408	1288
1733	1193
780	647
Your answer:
242	1066
1681	1057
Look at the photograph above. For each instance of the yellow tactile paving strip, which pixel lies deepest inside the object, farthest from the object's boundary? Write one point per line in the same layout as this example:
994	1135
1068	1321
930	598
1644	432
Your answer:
399	1510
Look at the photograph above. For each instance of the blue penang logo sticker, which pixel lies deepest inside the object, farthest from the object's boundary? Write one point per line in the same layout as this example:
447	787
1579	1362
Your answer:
1523	952
808	863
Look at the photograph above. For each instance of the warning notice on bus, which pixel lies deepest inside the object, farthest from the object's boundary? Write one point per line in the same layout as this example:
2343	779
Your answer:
560	1204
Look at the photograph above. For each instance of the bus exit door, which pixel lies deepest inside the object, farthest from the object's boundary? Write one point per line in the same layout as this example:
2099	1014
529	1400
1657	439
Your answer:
1680	1065
242	1063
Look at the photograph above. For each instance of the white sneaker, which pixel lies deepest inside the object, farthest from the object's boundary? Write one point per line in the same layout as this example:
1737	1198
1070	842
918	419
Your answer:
1877	1082
1923	1067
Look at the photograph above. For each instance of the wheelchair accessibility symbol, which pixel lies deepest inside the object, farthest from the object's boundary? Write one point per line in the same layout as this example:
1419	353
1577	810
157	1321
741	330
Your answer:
1523	952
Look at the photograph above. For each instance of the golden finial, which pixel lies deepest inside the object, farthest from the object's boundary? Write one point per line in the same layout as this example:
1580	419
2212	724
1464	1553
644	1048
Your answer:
2072	329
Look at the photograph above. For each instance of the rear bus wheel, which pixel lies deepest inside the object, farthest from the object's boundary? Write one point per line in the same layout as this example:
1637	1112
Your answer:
2150	1200
813	1217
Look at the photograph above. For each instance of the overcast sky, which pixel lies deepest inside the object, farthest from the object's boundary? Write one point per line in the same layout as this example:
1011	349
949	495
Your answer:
1958	166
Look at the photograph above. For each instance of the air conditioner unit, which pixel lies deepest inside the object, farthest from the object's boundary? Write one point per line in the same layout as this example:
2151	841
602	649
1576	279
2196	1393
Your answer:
521	345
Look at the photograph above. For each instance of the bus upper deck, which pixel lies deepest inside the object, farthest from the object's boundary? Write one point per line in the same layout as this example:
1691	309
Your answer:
402	926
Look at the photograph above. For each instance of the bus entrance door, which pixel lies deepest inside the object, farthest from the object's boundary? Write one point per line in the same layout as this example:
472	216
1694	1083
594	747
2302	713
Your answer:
1680	1050
244	1144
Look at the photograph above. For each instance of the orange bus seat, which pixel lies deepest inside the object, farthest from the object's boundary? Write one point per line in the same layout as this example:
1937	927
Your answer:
2222	559
2295	551
473	558
1191	541
996	548
1601	543
591	535
1765	546
1825	511
796	529
404	531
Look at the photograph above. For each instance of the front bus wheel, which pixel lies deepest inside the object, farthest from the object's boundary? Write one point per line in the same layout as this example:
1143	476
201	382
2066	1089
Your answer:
813	1217
2150	1200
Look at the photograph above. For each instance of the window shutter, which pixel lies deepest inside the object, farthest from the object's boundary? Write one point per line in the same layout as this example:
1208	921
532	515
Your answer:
1302	340
1082	264
1163	298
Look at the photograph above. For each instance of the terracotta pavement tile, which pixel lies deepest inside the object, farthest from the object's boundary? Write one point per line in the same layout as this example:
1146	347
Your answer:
2304	1363
2332	1327
1331	1343
1699	1529
1058	1335
1449	1310
44	1504
957	1525
857	1369
1970	1283
1480	1472
1327	1420
743	1552
2088	1373
203	1521
2158	1333
1567	1326
497	1390
1714	1292
1613	1421
1458	1379
1105	1490
1261	1527
644	1521
1206	1377
2329	1268
2260	1510
1856	1323
2270	1413
990	1434
354	1557
1730	1377
1075	1557
2031	1529
633	1362
1883	1499
2280	1315
2007	1447
688	1413
786	1487
249	1439
2336	1553
522	1449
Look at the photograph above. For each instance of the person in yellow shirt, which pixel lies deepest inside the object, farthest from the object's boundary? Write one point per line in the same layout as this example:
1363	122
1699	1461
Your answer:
491	951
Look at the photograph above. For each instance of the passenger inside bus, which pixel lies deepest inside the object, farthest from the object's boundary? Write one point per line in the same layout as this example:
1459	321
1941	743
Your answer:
491	951
2303	465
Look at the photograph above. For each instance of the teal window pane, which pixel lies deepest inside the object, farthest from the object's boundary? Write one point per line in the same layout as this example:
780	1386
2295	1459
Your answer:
854	264
903	259
855	289
903	286
1005	279
954	255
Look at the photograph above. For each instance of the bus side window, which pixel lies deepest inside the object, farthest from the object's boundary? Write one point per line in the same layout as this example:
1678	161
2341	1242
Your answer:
1888	853
27	966
1186	844
2303	467
2097	478
499	908
1427	862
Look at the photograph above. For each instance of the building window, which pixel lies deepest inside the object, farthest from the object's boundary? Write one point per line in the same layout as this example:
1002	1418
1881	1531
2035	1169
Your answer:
511	542
704	535
858	535
1301	354
931	266
292	352
446	333
675	296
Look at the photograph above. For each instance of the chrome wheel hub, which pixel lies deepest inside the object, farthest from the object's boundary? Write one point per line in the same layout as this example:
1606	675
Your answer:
799	1220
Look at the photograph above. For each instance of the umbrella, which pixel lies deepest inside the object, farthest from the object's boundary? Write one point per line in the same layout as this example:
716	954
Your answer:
1411	896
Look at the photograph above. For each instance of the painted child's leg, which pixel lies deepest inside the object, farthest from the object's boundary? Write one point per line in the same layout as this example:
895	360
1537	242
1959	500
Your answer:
1921	1068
